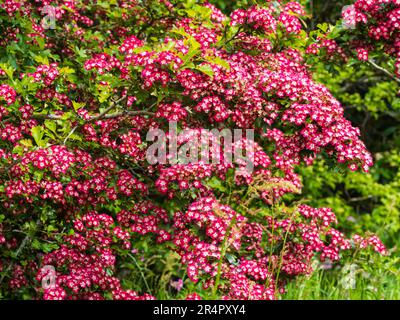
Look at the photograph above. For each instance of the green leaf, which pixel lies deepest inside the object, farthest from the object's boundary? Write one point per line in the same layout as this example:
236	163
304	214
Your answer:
49	247
42	60
189	3
51	125
67	115
206	69
220	62
51	228
66	71
36	244
41	42
44	246
232	259
26	142
18	150
75	137
37	134
7	69
38	176
81	52
78	105
216	183
323	26
104	93
194	45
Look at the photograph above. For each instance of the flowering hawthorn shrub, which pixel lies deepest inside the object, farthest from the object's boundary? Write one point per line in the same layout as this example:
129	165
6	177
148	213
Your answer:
82	84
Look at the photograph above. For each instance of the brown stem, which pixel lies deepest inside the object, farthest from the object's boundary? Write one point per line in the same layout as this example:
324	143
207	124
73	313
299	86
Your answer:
387	72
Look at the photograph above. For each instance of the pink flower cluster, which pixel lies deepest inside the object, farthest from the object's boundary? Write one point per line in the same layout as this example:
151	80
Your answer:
7	93
11	6
45	74
102	63
129	44
292	24
171	112
87	259
381	20
264	18
372	241
56	159
256	17
329	46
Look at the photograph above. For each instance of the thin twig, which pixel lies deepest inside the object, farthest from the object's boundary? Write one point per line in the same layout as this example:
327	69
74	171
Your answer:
361	198
387	72
20	248
141	273
224	247
8	168
126	113
103	115
70	134
113	104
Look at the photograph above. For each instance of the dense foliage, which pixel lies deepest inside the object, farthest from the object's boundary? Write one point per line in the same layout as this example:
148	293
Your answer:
81	85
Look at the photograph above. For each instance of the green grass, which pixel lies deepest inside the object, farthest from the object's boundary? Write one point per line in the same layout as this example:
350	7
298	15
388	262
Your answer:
373	281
